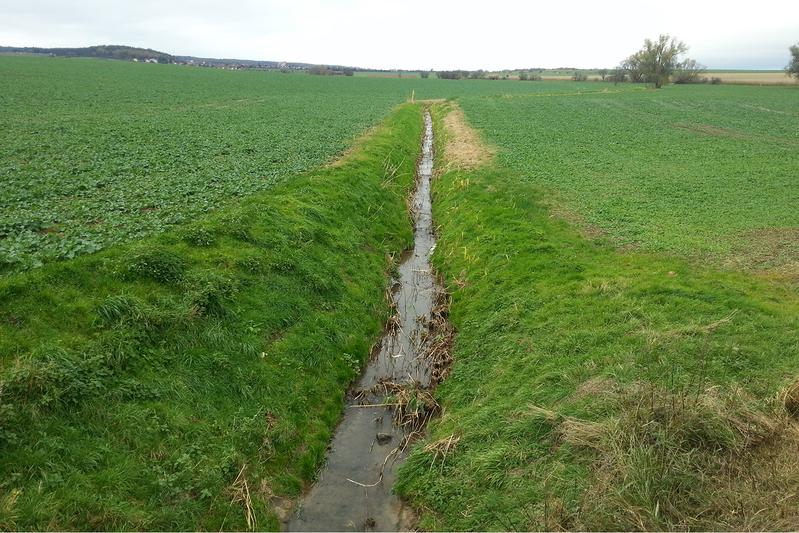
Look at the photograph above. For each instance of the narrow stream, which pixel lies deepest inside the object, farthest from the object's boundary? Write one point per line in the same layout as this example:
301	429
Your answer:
354	490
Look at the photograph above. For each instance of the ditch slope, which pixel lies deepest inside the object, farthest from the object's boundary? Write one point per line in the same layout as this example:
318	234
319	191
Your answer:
598	389
192	380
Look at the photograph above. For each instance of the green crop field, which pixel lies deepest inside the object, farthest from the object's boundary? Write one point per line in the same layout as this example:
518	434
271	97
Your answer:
193	265
98	152
701	171
94	153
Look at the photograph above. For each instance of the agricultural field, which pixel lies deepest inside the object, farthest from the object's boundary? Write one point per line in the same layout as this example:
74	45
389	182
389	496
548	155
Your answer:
94	153
752	77
194	266
89	162
701	171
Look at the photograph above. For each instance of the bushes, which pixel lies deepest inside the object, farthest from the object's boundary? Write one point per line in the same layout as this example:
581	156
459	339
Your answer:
198	236
529	76
688	71
208	292
452	74
617	76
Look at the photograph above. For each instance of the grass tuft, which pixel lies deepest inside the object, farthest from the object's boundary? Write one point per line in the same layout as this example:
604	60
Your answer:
156	263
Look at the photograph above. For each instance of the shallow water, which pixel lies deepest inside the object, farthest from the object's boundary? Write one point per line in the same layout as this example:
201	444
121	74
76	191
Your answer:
354	489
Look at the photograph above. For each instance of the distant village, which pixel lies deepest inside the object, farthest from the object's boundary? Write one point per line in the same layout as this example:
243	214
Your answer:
234	64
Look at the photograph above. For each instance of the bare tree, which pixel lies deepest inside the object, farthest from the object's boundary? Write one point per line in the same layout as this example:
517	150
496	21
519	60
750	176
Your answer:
688	71
792	68
618	75
656	61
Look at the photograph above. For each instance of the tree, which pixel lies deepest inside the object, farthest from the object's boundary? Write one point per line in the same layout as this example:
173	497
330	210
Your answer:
619	75
656	61
792	68
603	73
688	71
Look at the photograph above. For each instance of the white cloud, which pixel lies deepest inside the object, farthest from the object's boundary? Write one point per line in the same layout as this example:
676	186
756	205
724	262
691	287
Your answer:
415	33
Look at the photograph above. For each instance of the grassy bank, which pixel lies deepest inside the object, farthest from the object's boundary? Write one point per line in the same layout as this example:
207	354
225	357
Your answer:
191	380
599	389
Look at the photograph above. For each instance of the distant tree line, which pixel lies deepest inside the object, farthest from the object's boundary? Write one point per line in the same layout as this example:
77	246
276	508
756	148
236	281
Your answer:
127	53
324	70
452	74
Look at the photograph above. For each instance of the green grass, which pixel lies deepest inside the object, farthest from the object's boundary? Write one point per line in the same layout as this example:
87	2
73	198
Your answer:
137	382
699	171
593	388
611	382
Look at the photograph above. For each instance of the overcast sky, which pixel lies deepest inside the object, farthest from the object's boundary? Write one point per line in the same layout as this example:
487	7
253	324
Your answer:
415	34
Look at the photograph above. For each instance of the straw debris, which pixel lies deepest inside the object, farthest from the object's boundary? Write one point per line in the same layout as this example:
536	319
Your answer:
662	450
240	491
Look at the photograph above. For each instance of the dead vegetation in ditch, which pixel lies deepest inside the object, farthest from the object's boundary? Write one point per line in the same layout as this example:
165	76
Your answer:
700	460
413	404
440	449
438	337
463	147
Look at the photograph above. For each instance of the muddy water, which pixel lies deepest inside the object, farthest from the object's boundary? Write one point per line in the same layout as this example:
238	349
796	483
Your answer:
354	490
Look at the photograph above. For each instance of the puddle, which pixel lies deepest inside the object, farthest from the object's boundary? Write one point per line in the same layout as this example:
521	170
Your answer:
354	490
